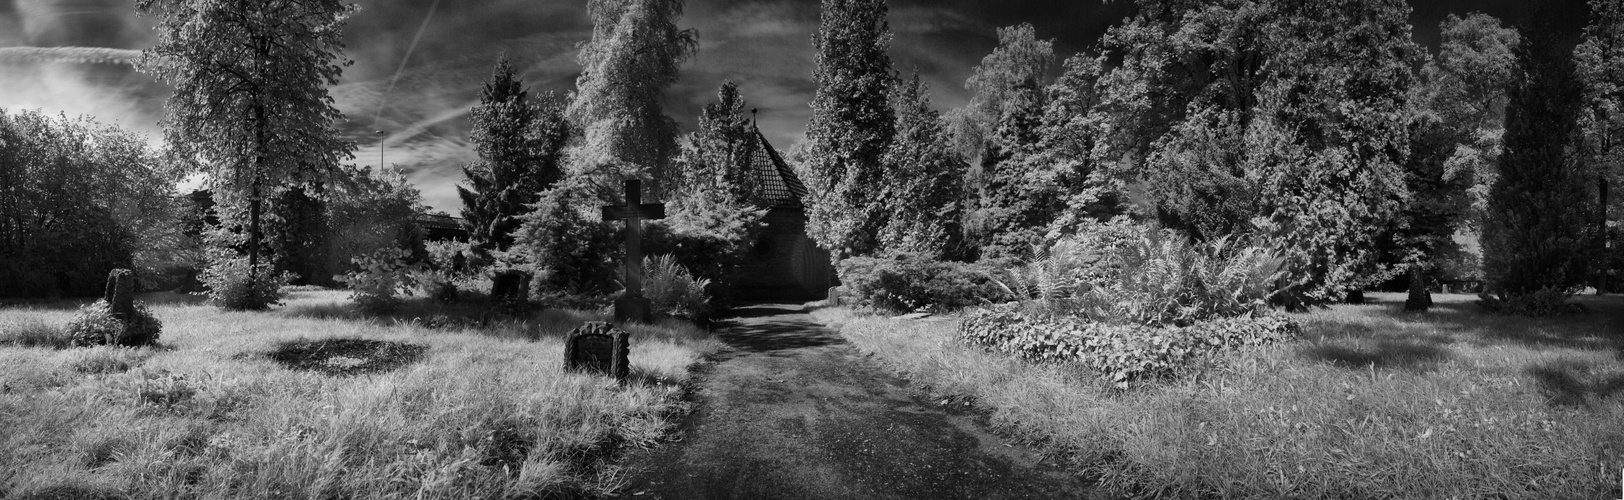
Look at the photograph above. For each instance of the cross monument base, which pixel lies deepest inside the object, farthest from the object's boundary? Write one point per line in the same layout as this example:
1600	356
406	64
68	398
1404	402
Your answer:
630	308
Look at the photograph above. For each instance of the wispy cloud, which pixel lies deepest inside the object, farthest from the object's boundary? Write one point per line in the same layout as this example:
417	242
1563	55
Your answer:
764	45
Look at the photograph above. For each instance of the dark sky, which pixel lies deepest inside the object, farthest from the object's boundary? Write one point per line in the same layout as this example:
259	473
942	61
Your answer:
764	45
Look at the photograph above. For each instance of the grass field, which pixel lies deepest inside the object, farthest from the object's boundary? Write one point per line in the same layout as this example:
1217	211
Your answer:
1371	403
473	409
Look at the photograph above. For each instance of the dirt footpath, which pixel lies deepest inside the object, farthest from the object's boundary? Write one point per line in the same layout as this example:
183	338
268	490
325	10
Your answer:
792	411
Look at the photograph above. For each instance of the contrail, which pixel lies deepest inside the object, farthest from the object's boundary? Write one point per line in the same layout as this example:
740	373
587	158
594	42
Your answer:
418	128
71	54
407	57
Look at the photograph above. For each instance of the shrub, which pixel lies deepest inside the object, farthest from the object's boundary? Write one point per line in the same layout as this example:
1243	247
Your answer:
708	233
33	332
1120	353
908	282
1122	273
378	279
672	289
229	286
569	251
1540	303
95	324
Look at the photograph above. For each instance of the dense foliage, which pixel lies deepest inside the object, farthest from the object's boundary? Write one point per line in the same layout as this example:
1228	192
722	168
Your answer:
851	128
250	98
1124	273
707	232
78	199
380	278
924	189
235	284
520	145
1121	353
1277	118
569	250
909	282
632	57
1539	228
1456	120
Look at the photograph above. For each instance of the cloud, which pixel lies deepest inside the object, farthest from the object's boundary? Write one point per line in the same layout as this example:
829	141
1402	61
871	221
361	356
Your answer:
763	45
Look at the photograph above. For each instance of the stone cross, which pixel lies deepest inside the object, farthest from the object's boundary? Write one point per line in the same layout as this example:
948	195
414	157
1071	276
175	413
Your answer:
633	306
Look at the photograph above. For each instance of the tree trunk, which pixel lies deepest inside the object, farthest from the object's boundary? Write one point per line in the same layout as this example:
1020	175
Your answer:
1601	279
1420	298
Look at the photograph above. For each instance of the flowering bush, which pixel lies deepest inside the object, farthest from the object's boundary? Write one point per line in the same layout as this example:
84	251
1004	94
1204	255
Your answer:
1119	352
95	324
379	277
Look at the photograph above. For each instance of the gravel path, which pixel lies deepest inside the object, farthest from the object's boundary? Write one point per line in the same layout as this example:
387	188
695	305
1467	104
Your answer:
792	411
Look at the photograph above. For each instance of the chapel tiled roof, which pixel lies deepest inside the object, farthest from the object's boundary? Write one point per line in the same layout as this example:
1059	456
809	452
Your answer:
776	183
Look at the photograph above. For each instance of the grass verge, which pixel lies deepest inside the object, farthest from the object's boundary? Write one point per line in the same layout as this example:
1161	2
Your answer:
1371	403
484	410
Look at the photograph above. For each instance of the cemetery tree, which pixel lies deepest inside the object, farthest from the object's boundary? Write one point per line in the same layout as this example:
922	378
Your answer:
1019	57
1071	133
712	219
632	58
250	97
1017	201
78	199
1275	119
1536	237
520	144
851	128
718	156
924	180
1457	113
1600	61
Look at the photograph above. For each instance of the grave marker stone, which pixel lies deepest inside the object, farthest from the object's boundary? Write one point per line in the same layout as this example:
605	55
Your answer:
633	306
511	286
597	347
120	293
120	297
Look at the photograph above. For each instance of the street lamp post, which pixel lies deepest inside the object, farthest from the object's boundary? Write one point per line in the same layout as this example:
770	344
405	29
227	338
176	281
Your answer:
380	150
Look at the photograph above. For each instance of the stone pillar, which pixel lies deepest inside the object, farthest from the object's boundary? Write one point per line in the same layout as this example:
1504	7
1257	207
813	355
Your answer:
120	293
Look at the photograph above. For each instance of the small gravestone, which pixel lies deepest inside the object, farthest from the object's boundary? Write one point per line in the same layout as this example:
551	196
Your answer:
511	286
597	347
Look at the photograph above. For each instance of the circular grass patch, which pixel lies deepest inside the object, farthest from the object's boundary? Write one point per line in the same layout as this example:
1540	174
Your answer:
347	357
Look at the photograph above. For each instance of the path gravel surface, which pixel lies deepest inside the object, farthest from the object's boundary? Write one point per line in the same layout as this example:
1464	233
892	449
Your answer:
792	411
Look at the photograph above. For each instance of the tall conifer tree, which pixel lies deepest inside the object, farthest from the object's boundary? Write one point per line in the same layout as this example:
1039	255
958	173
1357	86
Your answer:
925	180
519	142
1536	235
852	125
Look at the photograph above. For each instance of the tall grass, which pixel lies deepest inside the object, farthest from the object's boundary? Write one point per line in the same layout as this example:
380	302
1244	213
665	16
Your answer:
488	412
1374	403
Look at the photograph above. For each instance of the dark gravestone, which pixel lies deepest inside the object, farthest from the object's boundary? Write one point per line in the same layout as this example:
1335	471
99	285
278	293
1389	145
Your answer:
596	347
510	286
120	294
120	297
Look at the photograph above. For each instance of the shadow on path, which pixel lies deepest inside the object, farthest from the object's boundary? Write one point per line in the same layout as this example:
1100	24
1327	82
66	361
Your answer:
794	412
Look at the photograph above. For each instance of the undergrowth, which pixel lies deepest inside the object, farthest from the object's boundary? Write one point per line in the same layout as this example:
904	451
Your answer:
1368	402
